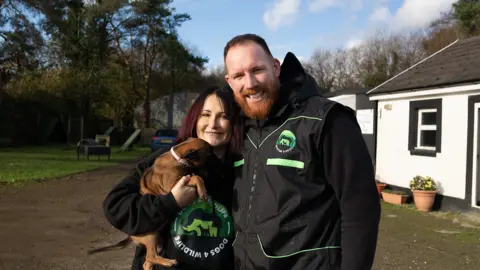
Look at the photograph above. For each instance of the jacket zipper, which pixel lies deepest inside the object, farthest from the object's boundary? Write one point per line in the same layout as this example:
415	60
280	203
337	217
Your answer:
254	177
252	190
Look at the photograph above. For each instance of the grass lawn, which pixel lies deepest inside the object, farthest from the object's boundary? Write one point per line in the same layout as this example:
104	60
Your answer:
32	163
410	239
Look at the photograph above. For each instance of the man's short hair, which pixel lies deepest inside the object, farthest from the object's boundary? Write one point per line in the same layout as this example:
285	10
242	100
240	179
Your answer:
243	39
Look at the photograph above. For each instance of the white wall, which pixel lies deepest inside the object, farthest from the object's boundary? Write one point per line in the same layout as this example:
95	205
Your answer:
347	100
159	109
396	166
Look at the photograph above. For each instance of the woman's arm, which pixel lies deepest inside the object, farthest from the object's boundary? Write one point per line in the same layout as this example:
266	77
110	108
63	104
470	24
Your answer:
132	213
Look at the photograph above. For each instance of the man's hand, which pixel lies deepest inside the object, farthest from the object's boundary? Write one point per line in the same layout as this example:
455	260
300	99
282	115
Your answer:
184	194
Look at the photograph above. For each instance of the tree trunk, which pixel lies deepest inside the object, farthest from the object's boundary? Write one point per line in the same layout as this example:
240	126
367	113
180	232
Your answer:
146	107
3	84
1	95
69	127
127	119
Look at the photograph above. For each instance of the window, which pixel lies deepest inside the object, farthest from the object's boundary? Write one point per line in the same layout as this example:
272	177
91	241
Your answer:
425	127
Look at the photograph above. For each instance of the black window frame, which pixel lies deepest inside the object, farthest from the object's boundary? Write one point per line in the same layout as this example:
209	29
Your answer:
415	106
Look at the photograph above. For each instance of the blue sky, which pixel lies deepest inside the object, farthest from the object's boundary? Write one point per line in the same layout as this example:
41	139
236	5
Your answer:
299	26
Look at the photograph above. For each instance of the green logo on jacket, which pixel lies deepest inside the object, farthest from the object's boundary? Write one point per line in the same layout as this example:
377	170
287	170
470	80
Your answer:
286	141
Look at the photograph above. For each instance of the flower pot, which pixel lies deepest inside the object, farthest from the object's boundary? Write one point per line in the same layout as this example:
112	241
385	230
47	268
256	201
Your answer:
380	187
424	199
394	198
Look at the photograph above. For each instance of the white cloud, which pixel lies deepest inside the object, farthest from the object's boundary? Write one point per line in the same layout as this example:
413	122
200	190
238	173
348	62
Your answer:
415	13
356	5
411	15
321	5
380	14
281	13
354	42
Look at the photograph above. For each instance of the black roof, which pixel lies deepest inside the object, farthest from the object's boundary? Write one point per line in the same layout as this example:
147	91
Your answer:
457	63
349	91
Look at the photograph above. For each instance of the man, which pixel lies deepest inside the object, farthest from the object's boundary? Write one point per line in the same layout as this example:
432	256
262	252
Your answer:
305	195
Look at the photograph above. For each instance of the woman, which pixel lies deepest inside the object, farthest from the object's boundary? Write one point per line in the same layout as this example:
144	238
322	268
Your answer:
212	118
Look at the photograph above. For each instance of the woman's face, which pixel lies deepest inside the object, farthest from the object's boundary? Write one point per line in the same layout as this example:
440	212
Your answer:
213	125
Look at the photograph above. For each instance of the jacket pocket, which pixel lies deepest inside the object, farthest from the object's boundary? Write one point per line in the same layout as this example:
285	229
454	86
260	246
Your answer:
321	258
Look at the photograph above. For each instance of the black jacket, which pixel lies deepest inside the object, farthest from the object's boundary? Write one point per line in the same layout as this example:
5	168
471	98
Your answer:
305	194
133	214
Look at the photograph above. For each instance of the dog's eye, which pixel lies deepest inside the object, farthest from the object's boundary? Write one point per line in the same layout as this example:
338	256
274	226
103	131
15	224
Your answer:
191	154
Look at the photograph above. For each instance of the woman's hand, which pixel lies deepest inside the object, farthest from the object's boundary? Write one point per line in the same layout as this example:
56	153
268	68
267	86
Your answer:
183	194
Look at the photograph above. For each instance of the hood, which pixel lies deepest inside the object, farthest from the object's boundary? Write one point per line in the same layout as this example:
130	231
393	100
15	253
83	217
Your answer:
299	83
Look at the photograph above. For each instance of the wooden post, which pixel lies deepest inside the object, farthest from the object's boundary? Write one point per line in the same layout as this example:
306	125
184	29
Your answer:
81	127
68	131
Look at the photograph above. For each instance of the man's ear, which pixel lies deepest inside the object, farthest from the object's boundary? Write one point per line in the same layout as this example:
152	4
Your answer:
228	80
276	67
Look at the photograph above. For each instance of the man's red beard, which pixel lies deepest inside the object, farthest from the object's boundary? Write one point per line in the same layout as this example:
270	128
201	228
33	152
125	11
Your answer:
261	109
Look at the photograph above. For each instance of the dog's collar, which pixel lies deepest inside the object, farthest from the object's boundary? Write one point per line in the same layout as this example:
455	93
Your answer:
179	159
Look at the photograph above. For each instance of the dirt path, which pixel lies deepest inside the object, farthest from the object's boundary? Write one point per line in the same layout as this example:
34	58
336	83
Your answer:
51	224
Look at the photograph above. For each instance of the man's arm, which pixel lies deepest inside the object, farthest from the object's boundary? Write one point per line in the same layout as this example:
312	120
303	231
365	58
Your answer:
349	169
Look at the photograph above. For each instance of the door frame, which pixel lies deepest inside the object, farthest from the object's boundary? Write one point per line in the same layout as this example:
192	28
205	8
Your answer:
475	155
472	150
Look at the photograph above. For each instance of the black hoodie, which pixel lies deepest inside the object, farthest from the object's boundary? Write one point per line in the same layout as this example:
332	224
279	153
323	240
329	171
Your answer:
305	194
132	213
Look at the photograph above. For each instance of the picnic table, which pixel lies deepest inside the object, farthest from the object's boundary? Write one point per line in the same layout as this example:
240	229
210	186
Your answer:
100	146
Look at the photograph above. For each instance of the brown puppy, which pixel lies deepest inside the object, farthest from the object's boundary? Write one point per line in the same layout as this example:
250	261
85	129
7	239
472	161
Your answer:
186	158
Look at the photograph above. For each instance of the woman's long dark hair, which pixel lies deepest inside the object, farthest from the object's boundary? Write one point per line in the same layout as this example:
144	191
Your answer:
225	94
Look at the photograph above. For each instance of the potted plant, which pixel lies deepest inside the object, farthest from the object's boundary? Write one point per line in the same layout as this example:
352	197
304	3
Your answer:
424	190
394	196
380	186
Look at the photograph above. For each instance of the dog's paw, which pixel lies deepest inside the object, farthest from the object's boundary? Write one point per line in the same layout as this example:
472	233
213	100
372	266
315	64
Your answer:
206	198
171	263
147	266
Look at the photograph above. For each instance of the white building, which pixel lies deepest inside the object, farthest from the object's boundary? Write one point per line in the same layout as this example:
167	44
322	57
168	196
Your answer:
365	111
428	124
159	109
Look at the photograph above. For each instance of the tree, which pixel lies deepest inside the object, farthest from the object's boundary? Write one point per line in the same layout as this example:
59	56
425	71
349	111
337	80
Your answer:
145	26
380	57
19	44
467	15
214	76
178	62
440	33
321	67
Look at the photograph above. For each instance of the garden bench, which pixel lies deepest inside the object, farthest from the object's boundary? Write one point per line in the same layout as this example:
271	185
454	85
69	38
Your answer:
89	147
